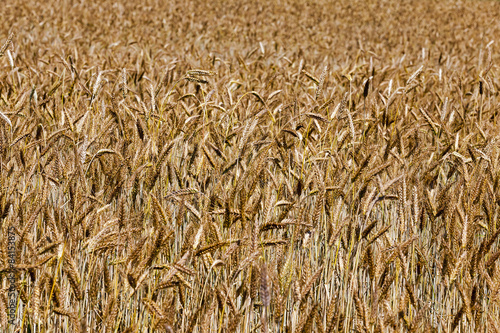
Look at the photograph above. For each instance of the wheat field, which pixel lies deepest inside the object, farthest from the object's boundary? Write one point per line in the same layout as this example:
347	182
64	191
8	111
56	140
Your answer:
249	166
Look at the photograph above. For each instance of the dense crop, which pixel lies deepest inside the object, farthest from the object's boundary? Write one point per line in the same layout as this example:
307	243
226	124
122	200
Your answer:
274	166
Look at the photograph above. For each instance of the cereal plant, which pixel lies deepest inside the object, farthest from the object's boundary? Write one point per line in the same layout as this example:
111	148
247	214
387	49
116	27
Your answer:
249	166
